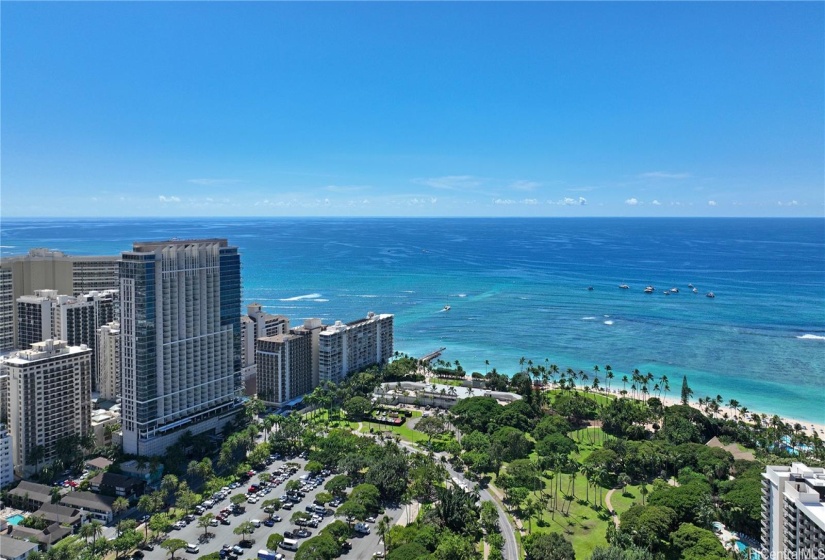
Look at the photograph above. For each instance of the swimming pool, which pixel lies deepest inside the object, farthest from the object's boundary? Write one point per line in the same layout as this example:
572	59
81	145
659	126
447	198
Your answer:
15	519
743	547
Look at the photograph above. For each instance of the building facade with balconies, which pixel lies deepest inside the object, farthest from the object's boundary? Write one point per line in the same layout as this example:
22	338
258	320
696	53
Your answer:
347	348
49	399
793	511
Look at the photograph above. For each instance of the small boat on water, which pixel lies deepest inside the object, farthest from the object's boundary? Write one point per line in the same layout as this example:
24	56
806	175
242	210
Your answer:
590	288
624	286
446	308
690	285
649	290
674	290
710	295
695	291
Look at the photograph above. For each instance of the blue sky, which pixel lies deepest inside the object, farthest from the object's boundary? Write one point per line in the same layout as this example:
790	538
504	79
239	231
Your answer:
413	109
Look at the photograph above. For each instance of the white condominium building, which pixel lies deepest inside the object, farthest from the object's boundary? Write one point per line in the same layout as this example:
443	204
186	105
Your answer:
180	340
6	462
49	399
284	364
108	361
346	348
793	511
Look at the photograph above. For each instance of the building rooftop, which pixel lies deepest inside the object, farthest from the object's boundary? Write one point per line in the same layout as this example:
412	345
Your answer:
115	480
152	245
88	500
15	548
36	492
99	463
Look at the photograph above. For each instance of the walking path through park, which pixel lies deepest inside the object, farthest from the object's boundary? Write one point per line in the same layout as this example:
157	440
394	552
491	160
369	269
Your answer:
610	507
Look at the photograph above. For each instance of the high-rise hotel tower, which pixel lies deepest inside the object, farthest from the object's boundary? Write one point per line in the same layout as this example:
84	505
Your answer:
180	340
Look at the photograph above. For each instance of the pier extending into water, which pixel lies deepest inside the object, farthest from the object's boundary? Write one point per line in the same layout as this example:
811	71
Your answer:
432	355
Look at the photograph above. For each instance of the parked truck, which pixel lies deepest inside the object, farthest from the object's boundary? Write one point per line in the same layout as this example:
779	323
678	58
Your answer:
265	554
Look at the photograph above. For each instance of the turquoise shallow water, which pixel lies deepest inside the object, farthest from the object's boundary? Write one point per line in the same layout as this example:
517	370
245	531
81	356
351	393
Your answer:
518	287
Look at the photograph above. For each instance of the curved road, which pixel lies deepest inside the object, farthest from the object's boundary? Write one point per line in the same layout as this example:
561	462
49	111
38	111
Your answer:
510	551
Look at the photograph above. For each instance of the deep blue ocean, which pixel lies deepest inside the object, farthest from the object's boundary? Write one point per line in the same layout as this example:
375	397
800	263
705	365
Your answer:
519	288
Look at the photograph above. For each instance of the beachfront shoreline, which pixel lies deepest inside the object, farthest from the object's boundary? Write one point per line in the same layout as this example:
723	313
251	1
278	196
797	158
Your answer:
808	427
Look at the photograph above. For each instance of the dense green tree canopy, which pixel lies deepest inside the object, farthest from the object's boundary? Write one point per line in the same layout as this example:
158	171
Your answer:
648	526
321	547
511	443
694	543
555	443
357	408
548	546
476	413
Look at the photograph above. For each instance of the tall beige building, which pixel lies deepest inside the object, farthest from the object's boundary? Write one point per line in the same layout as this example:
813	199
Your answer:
255	324
347	348
49	398
284	367
108	361
44	269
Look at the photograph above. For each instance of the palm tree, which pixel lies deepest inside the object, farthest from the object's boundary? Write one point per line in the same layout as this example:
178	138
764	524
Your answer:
37	454
244	528
384	526
609	375
120	505
204	522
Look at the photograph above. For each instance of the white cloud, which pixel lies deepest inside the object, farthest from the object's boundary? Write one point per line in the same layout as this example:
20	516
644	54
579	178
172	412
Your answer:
504	201
530	201
168	198
663	175
524	185
451	182
423	200
212	182
791	203
631	202
345	188
711	203
567	201
656	203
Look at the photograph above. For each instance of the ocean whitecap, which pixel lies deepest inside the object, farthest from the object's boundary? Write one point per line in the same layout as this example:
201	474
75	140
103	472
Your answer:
299	298
608	322
811	337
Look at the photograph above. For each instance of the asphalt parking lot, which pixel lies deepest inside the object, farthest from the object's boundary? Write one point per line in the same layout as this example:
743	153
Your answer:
363	546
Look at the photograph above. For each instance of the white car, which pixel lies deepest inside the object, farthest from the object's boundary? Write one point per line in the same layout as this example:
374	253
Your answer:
192	548
252	500
256	522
